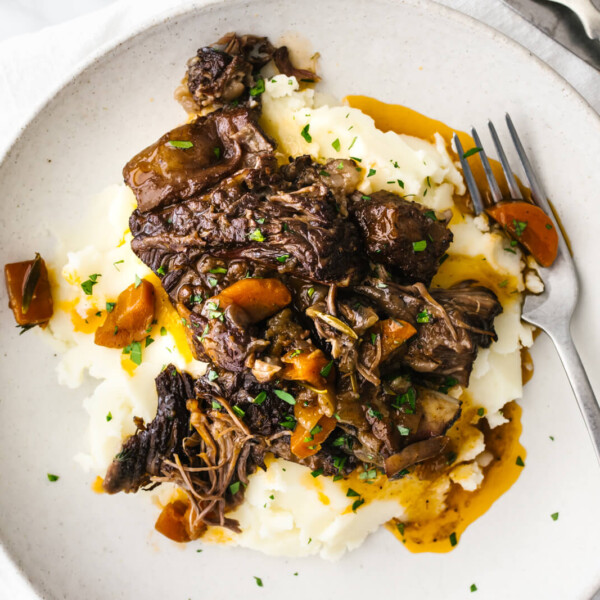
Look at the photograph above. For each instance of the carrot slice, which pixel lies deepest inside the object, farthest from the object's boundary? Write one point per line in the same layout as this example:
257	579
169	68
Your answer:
393	334
306	442
29	291
529	225
305	366
130	319
260	298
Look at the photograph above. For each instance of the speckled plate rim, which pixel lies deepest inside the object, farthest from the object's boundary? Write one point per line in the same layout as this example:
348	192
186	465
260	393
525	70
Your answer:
11	575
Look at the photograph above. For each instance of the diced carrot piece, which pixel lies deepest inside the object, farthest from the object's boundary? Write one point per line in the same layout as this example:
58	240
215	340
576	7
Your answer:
260	298
531	226
304	443
130	319
393	334
171	522
305	367
38	307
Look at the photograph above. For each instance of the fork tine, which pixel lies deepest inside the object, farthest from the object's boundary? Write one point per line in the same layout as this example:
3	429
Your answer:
513	188
494	189
537	192
471	184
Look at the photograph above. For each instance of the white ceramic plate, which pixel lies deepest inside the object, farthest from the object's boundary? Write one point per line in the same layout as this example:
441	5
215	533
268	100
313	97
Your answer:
71	543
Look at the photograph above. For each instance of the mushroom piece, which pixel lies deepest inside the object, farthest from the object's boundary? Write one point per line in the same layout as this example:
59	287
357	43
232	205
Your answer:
440	411
415	453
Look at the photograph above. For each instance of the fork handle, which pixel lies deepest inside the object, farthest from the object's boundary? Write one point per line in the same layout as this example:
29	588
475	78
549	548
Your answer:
588	405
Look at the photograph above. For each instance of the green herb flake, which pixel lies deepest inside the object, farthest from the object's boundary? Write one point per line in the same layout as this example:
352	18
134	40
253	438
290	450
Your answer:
163	331
430	214
473	587
257	236
212	281
357	503
548	226
52	477
419	246
110	306
216	405
453	540
480	412
554	516
212	375
366	197
374	339
352	494
218	270
258	88
356	159
282	258
519	227
326	369
289	422
149	341
161	270
371	172
117	262
109	416
423	317
520	462
304	133
472	151
400	528
310	292
181	144
87	285
336	144
503	283
138	281
404	431
317	472
352	144
512	250
238	411
234	488
285	396
136	353
260	398
217	152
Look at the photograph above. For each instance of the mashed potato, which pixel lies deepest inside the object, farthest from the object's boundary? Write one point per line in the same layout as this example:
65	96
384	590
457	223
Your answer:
287	511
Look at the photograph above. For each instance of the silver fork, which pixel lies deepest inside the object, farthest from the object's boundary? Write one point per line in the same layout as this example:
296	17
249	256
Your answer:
553	309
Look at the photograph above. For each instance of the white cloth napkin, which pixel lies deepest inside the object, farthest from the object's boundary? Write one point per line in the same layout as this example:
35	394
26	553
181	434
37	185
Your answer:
34	65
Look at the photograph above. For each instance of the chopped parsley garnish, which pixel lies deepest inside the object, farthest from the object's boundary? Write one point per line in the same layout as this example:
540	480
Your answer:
285	396
304	133
423	317
510	250
404	431
374	414
480	412
258	88
374	339
87	285
503	283
149	341
161	270
453	540
548	226
317	472
212	375
259	582
109	416
400	528
261	220
351	493
216	405
366	197
257	236
283	258
430	214
472	151
289	422
356	159
117	262
212	281
519	227
163	331
520	462
419	246
181	144
138	281
204	333
135	352
473	587
352	144
371	172
326	369
357	503
110	306
217	151
52	477
234	488
296	352
554	516
310	292
238	411
218	270
260	398
336	144
382	285
401	183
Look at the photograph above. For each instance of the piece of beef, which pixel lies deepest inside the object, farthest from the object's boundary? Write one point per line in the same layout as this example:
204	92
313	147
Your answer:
196	156
143	453
406	237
